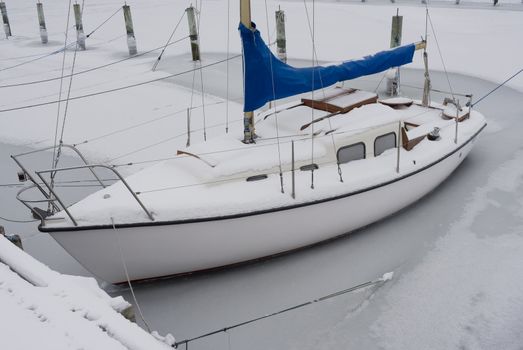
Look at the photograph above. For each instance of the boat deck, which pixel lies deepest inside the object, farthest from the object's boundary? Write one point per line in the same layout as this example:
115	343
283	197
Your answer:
210	179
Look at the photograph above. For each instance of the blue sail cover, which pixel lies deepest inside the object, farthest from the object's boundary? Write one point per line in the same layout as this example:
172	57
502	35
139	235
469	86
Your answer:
289	81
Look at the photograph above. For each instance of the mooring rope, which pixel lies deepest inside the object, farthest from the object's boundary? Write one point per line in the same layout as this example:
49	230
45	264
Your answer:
227	69
167	43
104	22
17	221
497	87
96	67
62	49
274	101
384	278
119	88
54	161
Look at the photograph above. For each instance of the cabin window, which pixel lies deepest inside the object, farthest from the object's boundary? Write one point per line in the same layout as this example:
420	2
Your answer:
349	153
384	142
309	167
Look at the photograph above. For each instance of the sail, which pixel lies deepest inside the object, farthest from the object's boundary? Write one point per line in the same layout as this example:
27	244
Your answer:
267	78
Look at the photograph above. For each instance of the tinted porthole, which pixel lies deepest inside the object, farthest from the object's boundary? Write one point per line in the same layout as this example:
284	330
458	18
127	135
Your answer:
384	142
350	153
309	167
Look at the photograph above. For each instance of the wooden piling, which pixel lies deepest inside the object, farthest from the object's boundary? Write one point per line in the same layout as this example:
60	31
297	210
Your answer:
281	42
41	22
80	36
395	41
5	19
131	39
193	33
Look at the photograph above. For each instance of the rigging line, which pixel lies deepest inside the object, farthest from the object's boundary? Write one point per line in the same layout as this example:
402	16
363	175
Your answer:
104	22
127	276
312	92
315	53
171	188
436	90
138	125
162	141
381	80
258	145
274	100
167	42
60	50
17	221
16	184
37	58
59	151
53	163
119	88
440	54
94	68
201	75
497	87
227	69
380	280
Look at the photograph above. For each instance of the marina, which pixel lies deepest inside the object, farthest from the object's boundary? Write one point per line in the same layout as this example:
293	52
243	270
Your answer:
191	306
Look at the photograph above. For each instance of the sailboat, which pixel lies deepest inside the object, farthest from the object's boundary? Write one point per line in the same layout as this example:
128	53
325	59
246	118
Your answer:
342	158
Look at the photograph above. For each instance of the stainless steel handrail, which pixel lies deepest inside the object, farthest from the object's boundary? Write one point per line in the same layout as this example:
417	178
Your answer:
52	147
88	166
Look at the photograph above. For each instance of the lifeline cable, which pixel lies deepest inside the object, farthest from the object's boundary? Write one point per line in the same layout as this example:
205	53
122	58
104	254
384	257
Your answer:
94	68
384	278
274	101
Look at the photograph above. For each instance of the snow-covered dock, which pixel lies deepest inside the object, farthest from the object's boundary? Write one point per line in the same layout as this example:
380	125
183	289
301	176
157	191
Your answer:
44	309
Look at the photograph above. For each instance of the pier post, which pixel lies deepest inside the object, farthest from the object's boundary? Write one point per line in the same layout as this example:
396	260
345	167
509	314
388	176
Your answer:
281	42
188	127
80	36
131	39
7	26
193	33
395	41
41	22
15	239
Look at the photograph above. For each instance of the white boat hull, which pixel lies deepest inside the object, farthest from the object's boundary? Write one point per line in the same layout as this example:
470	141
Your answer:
163	249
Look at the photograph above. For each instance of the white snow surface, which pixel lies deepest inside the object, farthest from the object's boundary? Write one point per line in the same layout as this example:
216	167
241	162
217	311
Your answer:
47	310
468	291
153	116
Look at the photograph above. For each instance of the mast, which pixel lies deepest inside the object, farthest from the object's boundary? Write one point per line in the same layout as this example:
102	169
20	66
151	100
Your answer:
248	117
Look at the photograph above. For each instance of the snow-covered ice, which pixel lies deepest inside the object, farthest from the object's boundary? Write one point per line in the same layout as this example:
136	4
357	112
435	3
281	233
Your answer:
455	285
45	309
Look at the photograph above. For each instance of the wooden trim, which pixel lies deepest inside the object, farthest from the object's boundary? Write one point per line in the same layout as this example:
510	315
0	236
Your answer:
410	144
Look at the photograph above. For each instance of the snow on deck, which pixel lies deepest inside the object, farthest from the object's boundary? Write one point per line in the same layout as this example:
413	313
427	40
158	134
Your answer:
215	185
48	310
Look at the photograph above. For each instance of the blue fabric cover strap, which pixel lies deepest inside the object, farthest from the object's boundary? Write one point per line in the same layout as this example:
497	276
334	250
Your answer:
288	81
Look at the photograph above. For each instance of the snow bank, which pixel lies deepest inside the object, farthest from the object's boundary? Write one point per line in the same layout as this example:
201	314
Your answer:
468	292
48	310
